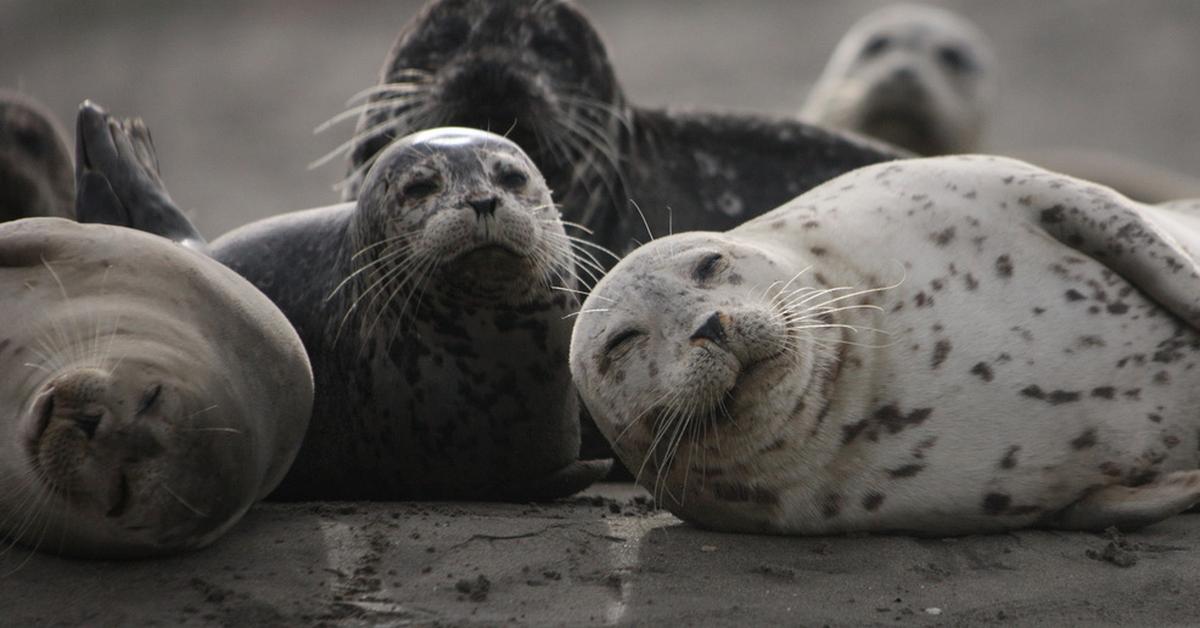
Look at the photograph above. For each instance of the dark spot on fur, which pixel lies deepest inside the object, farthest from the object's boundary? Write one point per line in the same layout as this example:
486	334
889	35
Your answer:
1009	461
971	282
1154	418
940	351
1170	440
819	251
983	371
1004	266
944	237
1104	392
871	501
1062	396
1034	391
1162	378
1117	308
906	471
1074	295
1084	440
1053	216
996	503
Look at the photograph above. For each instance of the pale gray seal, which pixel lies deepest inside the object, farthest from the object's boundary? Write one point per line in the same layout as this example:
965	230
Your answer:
937	346
436	311
149	394
918	76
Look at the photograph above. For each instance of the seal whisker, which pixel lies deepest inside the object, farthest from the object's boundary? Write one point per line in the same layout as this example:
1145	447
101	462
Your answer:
421	82
374	105
182	501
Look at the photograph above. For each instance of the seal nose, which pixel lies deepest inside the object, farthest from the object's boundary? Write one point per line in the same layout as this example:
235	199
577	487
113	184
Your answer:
713	329
483	207
88	422
905	75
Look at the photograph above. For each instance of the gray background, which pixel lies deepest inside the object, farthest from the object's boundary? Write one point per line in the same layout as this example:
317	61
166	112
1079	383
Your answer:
232	90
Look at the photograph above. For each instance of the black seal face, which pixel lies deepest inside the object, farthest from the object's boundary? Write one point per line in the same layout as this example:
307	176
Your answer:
537	72
533	70
36	172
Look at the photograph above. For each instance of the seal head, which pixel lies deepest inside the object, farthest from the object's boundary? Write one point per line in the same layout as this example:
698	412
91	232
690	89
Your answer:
918	76
35	163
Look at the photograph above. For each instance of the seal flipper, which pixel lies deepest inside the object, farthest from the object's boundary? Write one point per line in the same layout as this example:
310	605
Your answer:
561	483
1154	248
1131	507
116	174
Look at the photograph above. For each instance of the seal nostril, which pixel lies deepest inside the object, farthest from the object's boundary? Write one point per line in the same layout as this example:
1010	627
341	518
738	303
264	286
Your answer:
484	207
88	422
905	74
712	329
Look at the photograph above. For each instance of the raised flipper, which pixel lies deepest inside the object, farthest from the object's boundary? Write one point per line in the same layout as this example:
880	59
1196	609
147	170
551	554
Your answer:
561	483
117	179
1153	248
1129	507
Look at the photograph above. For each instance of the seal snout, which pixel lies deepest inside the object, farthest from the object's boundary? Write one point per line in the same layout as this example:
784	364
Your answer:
484	207
712	329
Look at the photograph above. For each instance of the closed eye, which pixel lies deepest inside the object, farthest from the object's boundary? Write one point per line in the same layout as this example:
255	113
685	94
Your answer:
707	267
955	59
620	343
149	399
513	179
420	188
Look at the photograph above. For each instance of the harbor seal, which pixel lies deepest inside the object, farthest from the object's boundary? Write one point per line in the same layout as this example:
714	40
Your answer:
35	163
149	397
918	76
537	71
435	310
938	346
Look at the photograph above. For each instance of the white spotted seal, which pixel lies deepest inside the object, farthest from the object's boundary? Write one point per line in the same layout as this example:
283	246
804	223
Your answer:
936	346
918	76
149	395
537	71
435	310
35	163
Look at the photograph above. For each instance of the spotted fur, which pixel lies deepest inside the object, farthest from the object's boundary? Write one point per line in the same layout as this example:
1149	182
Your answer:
904	408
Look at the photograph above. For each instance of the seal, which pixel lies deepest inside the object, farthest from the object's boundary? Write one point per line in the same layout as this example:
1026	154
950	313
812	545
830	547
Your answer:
537	71
435	310
35	164
1017	349
149	397
917	76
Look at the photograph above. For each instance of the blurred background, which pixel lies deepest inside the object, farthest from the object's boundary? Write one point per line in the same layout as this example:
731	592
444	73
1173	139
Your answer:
232	90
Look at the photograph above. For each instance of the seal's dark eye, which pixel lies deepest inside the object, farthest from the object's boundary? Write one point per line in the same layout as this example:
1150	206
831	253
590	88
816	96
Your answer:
148	399
551	48
877	45
513	179
955	59
707	267
420	188
620	343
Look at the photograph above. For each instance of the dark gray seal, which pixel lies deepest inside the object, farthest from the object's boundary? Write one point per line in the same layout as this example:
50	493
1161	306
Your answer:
35	163
429	310
537	71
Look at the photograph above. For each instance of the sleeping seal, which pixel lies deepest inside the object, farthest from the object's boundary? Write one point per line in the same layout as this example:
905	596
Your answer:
149	395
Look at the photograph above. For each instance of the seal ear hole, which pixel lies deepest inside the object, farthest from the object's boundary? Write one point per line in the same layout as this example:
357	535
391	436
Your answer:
708	266
422	187
876	46
149	398
955	58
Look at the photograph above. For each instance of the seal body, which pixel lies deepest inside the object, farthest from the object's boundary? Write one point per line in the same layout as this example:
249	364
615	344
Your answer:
538	71
150	395
35	164
917	76
940	346
435	310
